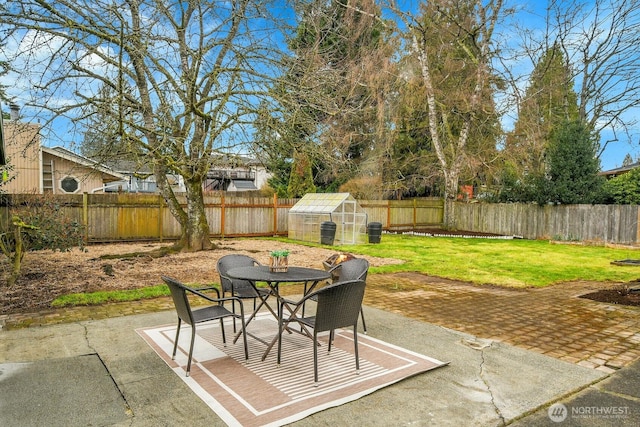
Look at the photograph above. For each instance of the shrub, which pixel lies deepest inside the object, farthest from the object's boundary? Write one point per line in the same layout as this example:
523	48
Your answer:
38	222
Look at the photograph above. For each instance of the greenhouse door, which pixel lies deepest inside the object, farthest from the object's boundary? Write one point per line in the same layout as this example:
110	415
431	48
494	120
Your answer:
349	222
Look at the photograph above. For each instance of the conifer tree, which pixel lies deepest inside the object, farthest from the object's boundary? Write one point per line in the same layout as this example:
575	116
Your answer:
549	100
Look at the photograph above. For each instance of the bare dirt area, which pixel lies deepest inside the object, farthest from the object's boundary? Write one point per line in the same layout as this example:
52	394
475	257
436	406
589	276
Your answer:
47	275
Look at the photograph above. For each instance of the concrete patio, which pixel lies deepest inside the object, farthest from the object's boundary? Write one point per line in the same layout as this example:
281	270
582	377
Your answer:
513	354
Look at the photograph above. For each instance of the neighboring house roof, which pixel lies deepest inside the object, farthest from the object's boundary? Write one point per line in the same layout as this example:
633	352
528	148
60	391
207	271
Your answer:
235	160
621	170
81	160
130	166
243	185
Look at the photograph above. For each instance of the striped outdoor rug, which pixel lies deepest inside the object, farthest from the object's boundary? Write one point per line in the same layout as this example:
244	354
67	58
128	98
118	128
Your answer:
257	393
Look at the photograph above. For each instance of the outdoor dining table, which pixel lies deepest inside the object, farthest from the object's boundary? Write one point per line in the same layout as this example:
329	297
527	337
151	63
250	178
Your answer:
262	273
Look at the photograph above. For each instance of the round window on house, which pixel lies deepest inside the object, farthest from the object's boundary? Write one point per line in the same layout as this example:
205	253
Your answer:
69	184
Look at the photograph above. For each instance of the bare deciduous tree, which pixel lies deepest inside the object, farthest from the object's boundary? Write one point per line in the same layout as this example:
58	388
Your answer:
599	41
180	81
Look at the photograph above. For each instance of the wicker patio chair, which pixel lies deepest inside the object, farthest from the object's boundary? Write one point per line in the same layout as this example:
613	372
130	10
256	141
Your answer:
191	317
352	269
338	306
242	289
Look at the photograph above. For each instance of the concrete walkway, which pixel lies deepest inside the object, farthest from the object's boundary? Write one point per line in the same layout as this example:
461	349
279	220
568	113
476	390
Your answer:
520	357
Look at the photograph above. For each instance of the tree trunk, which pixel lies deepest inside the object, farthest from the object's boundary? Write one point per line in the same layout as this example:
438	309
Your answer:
196	237
194	228
15	256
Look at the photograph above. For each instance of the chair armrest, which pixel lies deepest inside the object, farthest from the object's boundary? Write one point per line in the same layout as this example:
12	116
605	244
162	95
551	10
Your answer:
288	302
301	301
208	298
208	288
225	277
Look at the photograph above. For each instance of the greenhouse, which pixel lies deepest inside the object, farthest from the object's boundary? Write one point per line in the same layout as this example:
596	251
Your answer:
317	215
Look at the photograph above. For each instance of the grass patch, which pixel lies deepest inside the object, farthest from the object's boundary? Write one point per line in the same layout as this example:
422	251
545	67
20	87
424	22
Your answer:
514	263
511	263
102	297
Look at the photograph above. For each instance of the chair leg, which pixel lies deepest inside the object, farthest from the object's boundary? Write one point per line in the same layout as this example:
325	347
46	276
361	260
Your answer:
315	358
364	325
280	327
355	347
224	338
193	339
233	310
244	338
175	343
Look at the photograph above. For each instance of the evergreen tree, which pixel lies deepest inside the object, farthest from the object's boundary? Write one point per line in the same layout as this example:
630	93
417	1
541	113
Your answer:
549	100
301	180
573	166
107	140
325	105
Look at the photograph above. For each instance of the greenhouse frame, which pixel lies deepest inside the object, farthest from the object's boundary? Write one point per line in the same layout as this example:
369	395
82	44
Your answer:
306	218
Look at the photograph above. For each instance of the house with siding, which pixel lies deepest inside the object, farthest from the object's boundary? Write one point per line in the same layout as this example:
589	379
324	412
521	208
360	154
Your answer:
37	169
230	173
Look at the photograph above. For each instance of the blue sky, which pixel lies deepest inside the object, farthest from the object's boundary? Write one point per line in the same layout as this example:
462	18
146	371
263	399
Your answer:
530	16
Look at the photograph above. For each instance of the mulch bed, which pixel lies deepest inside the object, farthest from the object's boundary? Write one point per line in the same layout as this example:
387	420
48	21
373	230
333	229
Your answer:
628	294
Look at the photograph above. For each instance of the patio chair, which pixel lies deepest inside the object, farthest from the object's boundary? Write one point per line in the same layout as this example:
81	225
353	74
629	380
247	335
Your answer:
352	269
338	306
238	288
193	317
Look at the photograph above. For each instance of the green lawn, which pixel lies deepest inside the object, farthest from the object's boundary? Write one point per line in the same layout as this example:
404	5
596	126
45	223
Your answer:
515	263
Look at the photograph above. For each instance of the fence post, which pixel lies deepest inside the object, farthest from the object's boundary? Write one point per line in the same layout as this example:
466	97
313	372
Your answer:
275	215
160	215
222	215
637	227
388	214
85	216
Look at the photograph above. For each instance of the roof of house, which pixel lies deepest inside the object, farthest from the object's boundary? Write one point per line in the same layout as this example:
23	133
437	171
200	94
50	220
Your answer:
621	170
69	155
130	166
243	184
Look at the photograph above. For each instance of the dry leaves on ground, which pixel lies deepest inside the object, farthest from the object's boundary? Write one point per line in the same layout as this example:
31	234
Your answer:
47	275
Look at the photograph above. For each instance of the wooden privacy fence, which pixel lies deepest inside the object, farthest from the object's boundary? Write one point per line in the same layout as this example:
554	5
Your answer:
585	223
129	217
